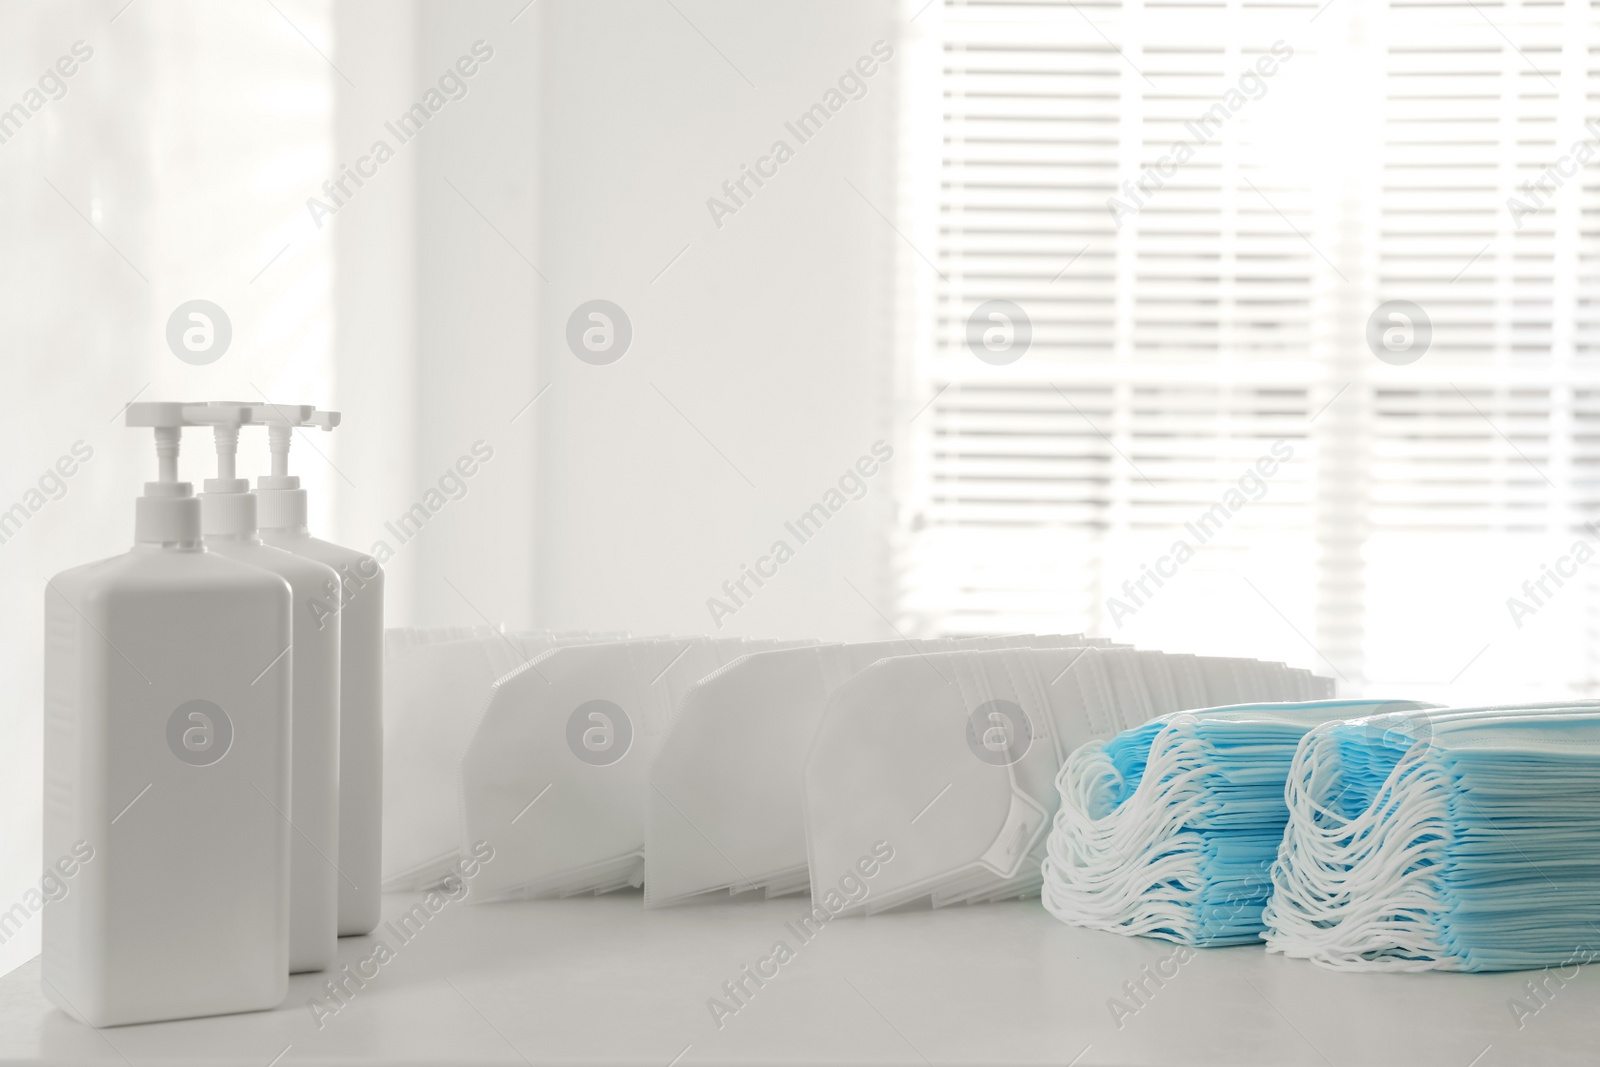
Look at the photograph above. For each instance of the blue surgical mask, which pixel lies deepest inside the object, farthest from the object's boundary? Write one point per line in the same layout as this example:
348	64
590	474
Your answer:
1169	830
1462	839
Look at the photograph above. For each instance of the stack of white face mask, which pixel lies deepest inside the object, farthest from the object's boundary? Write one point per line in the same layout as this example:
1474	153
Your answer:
1461	839
1169	830
435	683
725	806
948	760
554	777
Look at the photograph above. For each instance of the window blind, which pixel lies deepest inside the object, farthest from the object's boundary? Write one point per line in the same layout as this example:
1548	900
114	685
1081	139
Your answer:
1197	245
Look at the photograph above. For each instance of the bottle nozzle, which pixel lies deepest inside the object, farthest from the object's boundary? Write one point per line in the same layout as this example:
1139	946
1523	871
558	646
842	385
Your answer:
167	441
279	436
224	419
282	501
168	421
226	507
227	438
168	512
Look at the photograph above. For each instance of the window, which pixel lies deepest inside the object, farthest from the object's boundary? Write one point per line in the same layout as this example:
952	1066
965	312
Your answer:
1195	210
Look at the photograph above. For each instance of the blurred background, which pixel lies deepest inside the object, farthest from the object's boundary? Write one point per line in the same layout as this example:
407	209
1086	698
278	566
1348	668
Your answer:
1249	328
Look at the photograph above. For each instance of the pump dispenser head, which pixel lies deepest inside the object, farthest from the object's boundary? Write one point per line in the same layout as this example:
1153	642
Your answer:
281	501
167	513
227	507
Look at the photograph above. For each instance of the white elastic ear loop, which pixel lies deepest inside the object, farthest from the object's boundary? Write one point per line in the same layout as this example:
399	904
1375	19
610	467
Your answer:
1089	776
1315	773
1135	870
1320	846
1359	896
1395	806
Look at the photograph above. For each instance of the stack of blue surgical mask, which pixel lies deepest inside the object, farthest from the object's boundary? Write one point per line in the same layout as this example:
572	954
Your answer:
1169	830
1462	840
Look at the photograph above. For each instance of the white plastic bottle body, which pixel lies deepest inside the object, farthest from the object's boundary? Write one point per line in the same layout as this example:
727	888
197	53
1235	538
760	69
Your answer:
167	763
360	720
314	793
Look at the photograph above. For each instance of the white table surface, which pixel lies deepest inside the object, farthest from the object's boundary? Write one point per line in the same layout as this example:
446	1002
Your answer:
604	981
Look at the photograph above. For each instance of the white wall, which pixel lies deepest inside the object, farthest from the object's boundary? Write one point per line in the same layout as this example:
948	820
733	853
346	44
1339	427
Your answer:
771	335
436	310
577	167
477	298
375	239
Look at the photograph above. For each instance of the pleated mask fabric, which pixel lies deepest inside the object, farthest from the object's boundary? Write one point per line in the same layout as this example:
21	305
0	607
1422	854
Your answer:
1461	839
1169	830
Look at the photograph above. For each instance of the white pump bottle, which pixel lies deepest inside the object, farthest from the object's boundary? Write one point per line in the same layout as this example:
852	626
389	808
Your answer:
228	523
358	599
168	673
